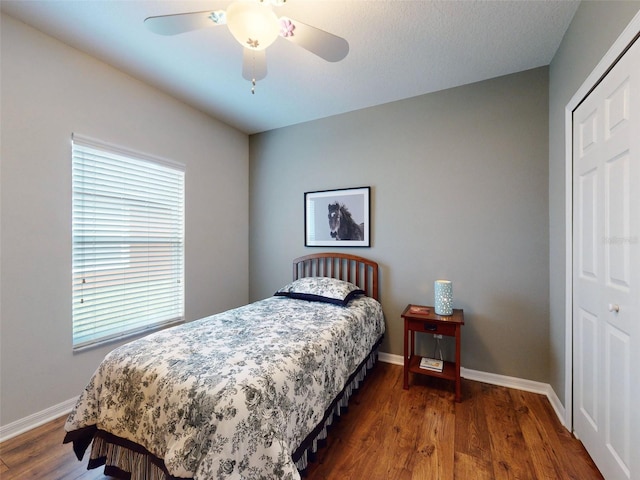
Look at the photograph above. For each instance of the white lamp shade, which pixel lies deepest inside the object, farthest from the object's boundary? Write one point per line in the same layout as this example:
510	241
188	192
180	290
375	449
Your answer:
252	24
443	297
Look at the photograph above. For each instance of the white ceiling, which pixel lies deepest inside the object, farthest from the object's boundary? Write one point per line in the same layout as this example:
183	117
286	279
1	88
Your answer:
398	49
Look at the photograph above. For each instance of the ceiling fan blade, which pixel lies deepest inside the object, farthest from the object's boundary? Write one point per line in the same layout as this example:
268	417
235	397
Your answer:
254	64
324	44
184	22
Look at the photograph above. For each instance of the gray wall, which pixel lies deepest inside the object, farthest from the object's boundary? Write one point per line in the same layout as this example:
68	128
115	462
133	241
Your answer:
49	91
595	27
459	191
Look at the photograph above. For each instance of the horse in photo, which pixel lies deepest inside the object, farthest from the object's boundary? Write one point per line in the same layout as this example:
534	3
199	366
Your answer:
342	225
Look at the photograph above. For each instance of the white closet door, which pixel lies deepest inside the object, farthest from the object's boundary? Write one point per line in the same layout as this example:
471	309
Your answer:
606	276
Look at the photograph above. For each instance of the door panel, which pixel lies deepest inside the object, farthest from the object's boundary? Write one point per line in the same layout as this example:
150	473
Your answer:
617	221
618	396
588	372
588	221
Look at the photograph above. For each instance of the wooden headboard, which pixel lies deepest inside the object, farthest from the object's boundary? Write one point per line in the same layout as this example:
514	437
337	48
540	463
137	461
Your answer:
352	268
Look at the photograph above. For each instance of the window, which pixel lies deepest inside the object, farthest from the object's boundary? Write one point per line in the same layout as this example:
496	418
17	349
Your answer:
128	243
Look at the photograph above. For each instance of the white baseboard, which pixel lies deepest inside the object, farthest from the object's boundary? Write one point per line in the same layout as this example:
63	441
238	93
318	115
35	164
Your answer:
500	380
390	358
32	421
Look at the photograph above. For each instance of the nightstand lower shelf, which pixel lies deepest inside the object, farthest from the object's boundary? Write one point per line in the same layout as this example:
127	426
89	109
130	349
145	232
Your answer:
448	370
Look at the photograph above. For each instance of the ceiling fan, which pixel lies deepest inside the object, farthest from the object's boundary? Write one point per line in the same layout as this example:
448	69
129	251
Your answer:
254	24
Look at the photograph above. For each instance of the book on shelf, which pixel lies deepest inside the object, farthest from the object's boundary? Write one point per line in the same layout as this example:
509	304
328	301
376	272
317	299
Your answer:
419	309
432	364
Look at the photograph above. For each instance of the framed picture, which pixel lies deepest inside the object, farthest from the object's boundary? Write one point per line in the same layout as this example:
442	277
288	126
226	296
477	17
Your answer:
337	218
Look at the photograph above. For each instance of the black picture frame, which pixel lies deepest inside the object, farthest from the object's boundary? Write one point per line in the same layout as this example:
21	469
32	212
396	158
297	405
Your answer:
338	218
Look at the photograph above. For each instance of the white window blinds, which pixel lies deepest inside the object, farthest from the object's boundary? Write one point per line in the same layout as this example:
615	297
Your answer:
128	243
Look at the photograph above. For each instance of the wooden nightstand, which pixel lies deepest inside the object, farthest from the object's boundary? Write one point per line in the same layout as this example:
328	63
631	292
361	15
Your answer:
429	322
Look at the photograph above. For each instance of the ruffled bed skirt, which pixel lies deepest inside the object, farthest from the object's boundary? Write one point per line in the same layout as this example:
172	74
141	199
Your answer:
129	461
126	460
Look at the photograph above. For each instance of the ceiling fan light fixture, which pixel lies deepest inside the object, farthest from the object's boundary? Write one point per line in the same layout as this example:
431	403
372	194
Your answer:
252	24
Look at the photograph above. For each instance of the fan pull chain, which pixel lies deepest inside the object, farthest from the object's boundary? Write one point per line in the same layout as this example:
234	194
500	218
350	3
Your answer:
253	74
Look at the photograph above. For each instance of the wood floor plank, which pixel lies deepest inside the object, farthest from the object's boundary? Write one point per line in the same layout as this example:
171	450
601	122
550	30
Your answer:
401	442
511	459
536	437
472	433
472	467
472	444
389	433
435	453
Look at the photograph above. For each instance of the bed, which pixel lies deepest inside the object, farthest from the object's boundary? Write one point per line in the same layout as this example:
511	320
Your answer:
244	394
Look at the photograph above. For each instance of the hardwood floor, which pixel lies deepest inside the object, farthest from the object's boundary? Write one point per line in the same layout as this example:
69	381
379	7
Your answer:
390	433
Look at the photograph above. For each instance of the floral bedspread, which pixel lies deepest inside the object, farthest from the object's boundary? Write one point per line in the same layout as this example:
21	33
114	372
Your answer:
231	395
